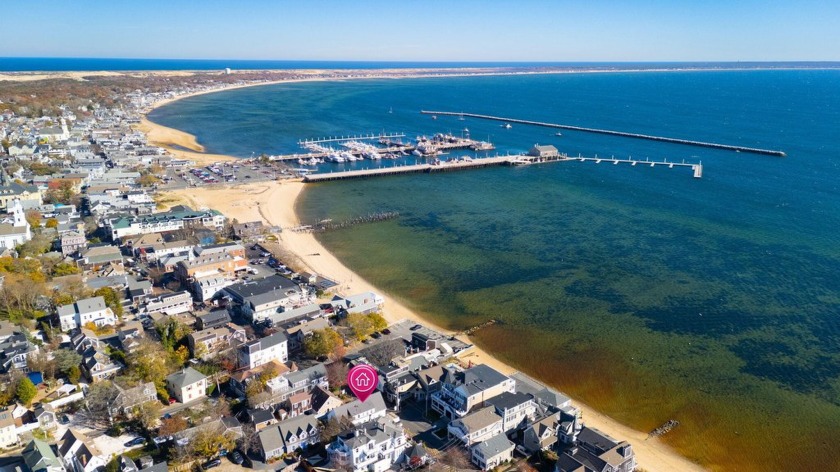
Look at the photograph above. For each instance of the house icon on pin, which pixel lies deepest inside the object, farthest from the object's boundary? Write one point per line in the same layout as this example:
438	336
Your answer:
362	380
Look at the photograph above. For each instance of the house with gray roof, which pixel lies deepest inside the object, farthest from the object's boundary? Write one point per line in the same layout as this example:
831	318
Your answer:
492	452
98	256
476	427
187	385
15	349
376	445
461	390
88	310
40	457
516	409
359	412
595	450
260	299
261	351
288	436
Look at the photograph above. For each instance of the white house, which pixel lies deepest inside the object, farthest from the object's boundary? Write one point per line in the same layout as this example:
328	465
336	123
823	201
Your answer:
492	452
476	427
79	454
187	385
171	303
359	412
262	351
371	447
90	310
8	432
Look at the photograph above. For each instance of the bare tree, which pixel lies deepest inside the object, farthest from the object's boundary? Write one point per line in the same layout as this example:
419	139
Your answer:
454	458
382	353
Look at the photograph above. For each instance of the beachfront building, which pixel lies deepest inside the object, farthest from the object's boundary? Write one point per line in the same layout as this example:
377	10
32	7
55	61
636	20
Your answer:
516	410
179	217
364	303
476	427
461	390
187	385
260	299
375	446
262	351
89	310
595	450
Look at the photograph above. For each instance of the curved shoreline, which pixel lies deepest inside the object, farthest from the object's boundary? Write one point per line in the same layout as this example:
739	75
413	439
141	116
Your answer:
275	204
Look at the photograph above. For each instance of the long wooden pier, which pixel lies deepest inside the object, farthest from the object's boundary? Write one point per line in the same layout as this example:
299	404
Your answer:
688	142
515	160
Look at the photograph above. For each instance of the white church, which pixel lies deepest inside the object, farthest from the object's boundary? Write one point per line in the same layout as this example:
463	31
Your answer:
14	229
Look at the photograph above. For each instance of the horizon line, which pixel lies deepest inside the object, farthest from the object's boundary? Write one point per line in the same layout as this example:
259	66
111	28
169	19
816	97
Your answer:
447	61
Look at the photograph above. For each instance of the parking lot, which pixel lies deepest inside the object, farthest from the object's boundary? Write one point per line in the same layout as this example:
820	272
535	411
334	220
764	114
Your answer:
223	173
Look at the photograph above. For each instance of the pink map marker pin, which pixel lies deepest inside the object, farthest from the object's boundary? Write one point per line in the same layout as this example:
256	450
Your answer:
362	380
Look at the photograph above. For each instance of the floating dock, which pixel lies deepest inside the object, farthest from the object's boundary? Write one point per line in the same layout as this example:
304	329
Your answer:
727	147
515	160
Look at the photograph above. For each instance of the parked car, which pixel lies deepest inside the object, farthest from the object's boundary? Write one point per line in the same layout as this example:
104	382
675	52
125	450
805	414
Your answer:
415	327
236	458
172	401
211	464
135	442
376	335
386	331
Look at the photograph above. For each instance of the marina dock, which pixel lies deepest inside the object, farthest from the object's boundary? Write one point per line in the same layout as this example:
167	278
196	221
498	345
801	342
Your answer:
360	146
514	160
727	147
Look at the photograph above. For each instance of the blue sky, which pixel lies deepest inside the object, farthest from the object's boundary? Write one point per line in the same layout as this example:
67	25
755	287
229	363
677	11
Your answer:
455	30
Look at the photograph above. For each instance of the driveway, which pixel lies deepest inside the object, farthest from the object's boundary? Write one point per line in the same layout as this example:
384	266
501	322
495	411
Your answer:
110	446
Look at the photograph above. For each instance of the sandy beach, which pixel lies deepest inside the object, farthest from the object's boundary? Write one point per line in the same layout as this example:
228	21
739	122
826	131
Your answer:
274	203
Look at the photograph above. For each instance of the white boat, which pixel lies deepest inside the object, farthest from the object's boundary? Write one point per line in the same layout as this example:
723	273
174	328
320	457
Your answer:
520	162
507	126
347	156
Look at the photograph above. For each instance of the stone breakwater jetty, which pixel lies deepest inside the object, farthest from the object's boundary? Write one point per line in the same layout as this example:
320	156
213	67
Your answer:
728	147
329	225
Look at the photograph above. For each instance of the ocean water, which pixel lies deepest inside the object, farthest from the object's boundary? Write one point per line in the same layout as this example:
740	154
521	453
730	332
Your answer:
641	291
29	64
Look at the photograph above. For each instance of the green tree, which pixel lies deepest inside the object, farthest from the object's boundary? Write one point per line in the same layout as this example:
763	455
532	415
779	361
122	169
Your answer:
26	391
66	359
377	321
172	332
322	342
65	268
112	299
208	441
361	325
74	374
148	362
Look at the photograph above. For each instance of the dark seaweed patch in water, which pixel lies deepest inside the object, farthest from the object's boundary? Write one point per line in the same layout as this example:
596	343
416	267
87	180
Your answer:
580	288
708	317
785	365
